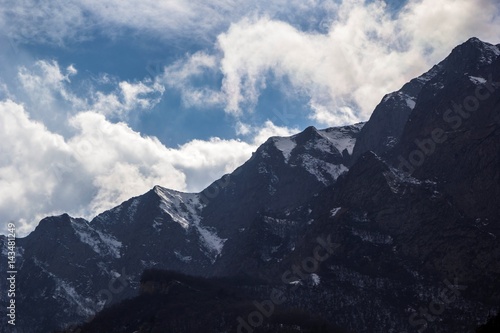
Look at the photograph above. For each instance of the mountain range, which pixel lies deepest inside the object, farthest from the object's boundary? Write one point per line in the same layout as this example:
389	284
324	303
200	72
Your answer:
386	226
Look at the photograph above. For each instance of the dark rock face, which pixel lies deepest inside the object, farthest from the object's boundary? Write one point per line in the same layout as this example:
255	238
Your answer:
83	266
433	196
492	326
253	203
386	124
173	302
403	210
456	128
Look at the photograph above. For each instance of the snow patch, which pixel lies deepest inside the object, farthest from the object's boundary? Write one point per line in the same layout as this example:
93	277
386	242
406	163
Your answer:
426	77
185	209
334	211
84	305
494	49
157	225
264	154
320	169
262	168
492	52
322	144
64	290
372	237
285	145
211	241
397	180
411	103
390	141
477	80
341	138
387	97
315	279
149	264
182	257
100	242
132	209
277	221
111	243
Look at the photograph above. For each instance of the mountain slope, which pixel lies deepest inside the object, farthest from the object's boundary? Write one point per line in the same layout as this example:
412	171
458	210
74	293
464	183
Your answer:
213	306
83	266
406	208
424	212
402	237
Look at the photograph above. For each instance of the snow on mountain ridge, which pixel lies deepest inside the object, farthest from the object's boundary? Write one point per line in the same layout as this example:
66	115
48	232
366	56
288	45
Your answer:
185	209
318	148
339	138
491	52
320	169
64	290
426	77
285	145
100	243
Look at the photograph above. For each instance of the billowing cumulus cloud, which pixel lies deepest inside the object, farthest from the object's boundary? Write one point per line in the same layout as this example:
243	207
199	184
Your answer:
181	73
46	89
342	56
100	166
366	53
27	175
90	164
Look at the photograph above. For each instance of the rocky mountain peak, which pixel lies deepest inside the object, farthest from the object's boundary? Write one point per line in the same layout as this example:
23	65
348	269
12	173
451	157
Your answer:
399	237
470	55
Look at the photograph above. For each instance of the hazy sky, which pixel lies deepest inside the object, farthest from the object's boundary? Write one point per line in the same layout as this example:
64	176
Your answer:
102	100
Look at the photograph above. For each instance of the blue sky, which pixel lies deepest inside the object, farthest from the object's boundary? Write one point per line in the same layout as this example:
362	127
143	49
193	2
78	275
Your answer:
100	101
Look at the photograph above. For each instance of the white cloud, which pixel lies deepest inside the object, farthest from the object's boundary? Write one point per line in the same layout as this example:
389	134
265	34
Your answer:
366	53
181	73
195	64
242	128
87	164
47	90
126	98
45	83
312	62
335	69
120	162
441	25
268	130
27	178
101	165
57	21
205	161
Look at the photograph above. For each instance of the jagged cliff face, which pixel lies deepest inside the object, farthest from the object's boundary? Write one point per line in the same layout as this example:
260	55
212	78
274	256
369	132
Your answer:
410	200
388	120
87	265
425	210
